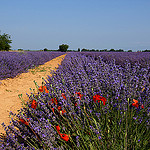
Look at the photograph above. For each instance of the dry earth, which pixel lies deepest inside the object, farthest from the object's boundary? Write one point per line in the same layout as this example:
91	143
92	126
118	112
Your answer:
11	88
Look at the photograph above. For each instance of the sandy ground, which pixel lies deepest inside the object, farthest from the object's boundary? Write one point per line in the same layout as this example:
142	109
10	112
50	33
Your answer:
11	88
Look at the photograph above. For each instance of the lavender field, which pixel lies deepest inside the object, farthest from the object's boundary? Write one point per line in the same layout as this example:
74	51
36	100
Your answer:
121	58
93	101
14	63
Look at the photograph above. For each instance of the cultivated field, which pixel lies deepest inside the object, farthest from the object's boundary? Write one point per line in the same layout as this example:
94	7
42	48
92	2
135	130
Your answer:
92	101
10	88
14	63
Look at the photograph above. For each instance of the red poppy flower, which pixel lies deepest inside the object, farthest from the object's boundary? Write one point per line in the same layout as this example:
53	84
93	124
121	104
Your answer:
59	108
24	122
62	112
53	110
96	97
99	98
43	88
34	104
89	133
54	100
65	137
75	104
79	94
58	128
142	106
63	95
135	104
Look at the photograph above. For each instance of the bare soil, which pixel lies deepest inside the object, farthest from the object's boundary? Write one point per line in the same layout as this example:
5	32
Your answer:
22	84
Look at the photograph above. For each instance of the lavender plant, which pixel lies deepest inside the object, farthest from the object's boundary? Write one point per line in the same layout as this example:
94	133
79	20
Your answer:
14	63
86	104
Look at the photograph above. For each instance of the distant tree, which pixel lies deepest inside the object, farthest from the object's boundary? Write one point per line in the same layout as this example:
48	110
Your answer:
84	50
63	47
146	50
112	50
120	50
104	50
78	49
130	50
45	49
20	49
92	50
4	42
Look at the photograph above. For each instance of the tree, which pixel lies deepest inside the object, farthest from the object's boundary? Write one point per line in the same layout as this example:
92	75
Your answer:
112	50
5	41
92	50
104	50
45	49
84	50
129	50
63	47
146	50
120	50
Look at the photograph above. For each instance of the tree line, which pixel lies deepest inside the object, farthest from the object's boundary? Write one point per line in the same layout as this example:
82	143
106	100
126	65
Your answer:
106	50
64	48
5	41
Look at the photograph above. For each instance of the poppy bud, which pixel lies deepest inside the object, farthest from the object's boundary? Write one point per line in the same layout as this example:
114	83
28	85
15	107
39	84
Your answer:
63	95
142	106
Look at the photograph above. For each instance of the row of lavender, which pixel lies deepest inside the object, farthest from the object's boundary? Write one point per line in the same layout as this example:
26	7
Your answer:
14	63
121	58
86	104
85	74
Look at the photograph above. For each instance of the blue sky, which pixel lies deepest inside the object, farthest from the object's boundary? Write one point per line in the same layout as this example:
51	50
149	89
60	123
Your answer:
91	24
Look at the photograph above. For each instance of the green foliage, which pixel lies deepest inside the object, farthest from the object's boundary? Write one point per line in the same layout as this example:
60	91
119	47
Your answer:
146	50
4	42
63	47
84	50
119	50
20	49
112	50
129	50
45	49
104	50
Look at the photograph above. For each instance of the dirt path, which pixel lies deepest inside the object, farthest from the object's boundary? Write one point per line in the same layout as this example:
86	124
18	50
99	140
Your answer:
11	88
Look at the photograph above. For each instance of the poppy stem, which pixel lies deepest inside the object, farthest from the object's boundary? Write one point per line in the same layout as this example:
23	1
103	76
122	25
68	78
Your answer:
37	137
23	102
126	132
